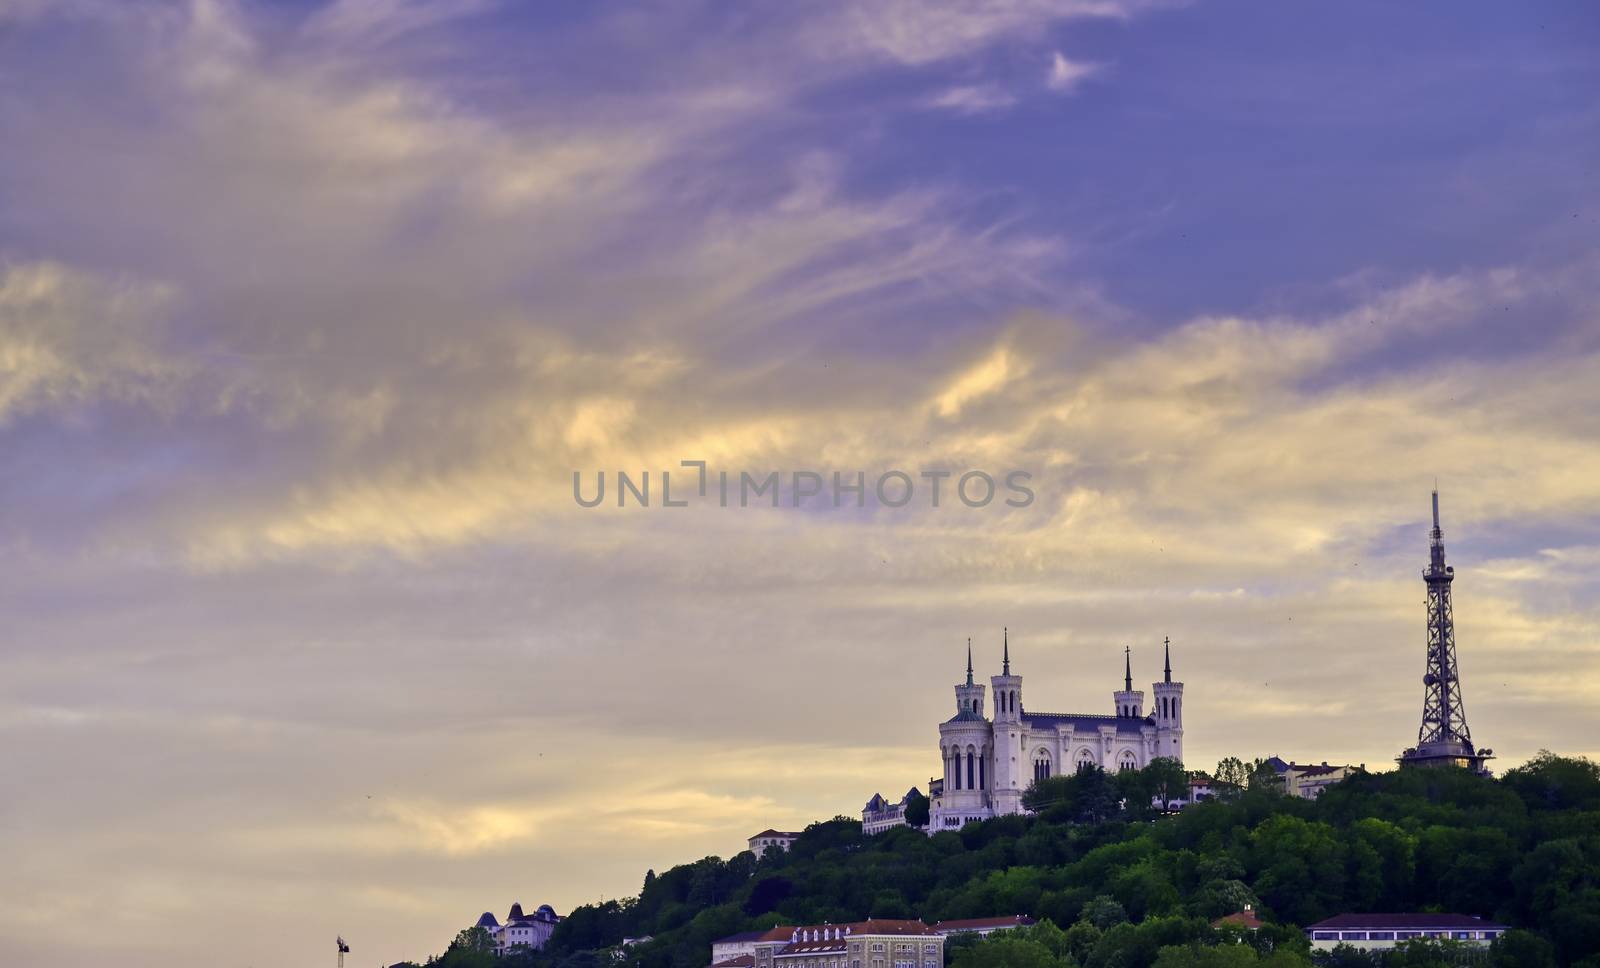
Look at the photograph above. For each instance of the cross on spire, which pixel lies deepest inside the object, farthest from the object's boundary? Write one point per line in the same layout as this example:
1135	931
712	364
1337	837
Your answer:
1005	635
1127	668
969	660
1166	643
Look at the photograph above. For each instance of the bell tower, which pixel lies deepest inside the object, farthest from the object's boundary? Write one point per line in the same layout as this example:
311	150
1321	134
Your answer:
1129	701
1169	710
965	747
1009	783
969	696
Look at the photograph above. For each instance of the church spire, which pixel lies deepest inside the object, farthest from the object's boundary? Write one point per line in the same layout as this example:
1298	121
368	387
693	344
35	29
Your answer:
1005	635
1127	669
969	660
1166	643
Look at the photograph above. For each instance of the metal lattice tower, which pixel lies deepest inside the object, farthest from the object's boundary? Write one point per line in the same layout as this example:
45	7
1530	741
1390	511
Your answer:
1443	739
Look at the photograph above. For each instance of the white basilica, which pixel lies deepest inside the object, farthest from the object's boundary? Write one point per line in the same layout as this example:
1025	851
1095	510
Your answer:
990	764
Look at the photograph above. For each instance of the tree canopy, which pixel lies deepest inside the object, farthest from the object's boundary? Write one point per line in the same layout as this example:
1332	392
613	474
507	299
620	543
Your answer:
1116	884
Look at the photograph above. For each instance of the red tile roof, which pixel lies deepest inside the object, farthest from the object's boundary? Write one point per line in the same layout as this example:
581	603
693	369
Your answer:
1245	919
797	944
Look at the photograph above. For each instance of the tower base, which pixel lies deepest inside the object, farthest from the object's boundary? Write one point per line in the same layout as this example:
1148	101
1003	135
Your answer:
1449	753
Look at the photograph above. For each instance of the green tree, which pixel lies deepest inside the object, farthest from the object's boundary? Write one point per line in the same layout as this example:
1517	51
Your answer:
1263	778
1231	777
1521	949
1002	951
1104	912
917	811
1168	779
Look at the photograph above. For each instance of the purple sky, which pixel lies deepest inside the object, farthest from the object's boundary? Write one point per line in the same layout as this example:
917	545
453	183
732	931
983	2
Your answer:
308	311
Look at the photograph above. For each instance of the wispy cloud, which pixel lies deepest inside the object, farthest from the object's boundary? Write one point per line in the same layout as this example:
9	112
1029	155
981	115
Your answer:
973	99
306	318
1065	75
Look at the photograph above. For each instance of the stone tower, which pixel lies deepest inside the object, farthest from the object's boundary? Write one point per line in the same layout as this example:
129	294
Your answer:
1011	780
1169	710
964	747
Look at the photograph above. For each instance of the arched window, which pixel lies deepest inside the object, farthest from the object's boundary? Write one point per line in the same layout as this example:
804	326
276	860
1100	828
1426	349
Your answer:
970	758
1085	758
983	780
1127	762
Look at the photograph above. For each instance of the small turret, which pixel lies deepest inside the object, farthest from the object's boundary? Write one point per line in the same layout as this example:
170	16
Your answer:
1129	701
1007	687
969	696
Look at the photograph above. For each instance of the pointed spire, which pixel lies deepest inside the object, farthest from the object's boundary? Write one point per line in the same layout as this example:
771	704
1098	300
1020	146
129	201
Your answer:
1127	669
969	660
1005	634
1166	643
1436	537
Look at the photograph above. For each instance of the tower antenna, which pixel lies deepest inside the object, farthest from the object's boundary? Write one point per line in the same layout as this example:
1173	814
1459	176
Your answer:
1443	739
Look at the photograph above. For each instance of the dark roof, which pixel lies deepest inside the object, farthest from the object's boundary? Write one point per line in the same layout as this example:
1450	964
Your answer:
1080	720
737	961
1440	922
979	924
769	832
486	920
1322	770
1277	764
966	716
742	937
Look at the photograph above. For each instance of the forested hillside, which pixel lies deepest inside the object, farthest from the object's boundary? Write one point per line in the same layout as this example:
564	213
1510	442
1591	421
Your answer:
1125	890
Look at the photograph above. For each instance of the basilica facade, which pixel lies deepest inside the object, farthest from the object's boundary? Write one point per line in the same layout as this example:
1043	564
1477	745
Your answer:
990	762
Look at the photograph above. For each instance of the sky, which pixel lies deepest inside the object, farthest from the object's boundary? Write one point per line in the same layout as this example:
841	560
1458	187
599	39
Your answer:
310	311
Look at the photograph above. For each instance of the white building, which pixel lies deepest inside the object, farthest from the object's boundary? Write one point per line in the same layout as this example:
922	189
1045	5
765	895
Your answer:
1306	780
781	839
990	764
739	950
873	943
520	930
1380	932
880	815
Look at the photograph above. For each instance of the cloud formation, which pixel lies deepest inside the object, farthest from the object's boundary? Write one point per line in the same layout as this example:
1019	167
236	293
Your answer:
308	316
